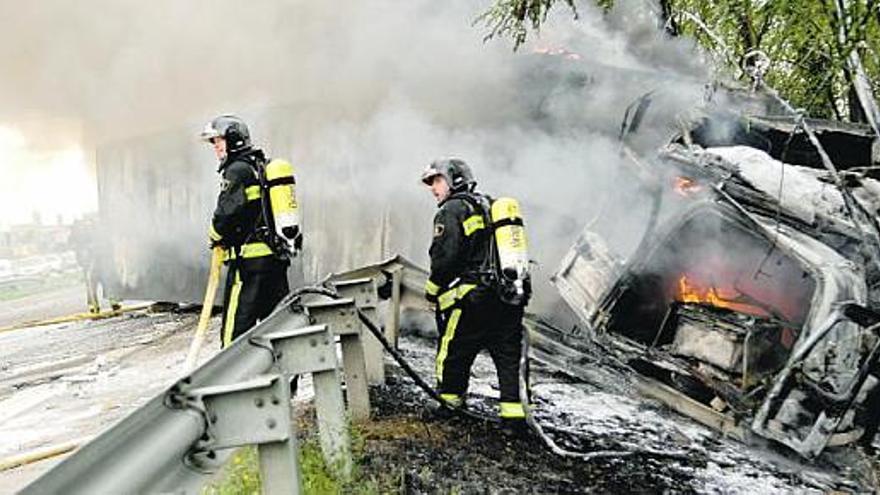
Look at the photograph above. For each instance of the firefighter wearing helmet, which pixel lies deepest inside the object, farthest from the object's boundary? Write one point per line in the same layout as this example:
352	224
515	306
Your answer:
256	279
473	309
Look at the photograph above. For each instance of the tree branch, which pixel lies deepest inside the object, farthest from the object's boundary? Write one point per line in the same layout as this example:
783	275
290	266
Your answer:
669	23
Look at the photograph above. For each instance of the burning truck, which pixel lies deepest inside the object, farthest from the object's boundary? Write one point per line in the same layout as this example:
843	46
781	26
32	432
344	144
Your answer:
745	303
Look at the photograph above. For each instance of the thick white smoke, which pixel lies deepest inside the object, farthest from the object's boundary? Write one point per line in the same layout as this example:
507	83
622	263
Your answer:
365	94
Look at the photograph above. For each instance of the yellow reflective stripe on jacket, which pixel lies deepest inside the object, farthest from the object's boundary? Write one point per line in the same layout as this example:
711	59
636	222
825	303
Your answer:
448	335
453	400
511	410
449	297
213	234
252	192
473	224
431	288
255	250
251	250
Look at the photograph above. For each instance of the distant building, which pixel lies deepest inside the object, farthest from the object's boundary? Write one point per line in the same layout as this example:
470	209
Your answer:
21	241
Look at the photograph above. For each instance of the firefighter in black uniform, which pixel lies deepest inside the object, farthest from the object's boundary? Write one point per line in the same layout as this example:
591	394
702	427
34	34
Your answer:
470	315
256	279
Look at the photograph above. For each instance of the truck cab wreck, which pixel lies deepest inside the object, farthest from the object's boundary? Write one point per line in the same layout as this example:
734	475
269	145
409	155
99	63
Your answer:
745	303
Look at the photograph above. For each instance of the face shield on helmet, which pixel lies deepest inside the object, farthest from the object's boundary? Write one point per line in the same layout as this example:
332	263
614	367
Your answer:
432	171
209	133
456	172
230	128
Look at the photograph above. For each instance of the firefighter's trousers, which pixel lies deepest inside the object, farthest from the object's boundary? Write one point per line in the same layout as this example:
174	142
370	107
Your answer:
480	321
253	288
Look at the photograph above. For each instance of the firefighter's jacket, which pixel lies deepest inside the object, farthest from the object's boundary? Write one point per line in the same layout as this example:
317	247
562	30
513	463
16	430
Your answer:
459	250
238	218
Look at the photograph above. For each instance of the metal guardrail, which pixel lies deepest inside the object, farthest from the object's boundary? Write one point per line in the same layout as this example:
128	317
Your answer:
177	441
151	449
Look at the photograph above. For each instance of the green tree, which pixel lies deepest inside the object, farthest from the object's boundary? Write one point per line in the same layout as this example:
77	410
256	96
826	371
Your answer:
810	44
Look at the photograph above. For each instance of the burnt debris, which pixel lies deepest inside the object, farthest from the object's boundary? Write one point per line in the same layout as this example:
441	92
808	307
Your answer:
748	302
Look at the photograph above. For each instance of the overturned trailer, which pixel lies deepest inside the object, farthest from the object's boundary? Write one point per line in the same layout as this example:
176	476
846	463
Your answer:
745	303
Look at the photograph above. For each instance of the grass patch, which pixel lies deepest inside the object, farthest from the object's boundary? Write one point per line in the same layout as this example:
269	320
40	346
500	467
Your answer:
242	473
402	428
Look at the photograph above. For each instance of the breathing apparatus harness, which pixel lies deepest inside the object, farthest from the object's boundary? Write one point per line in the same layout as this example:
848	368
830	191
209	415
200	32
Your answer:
279	209
506	267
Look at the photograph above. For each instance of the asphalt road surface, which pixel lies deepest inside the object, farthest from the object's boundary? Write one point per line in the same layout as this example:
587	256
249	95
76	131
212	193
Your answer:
50	304
68	382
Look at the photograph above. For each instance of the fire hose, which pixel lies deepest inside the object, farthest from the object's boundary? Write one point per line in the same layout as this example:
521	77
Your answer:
195	346
374	329
529	417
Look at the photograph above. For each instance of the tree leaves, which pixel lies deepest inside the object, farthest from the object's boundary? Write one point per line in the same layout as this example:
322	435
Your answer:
807	50
514	18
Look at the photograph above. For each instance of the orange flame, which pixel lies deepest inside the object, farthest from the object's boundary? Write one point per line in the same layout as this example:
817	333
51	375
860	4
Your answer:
689	292
686	186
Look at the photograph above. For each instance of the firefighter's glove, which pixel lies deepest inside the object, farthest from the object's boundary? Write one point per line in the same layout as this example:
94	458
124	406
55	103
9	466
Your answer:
214	237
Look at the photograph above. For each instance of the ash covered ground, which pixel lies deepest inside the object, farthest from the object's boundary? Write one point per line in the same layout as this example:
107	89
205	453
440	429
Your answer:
70	381
672	454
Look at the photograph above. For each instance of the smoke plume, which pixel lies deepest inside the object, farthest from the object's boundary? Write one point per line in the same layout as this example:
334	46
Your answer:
360	96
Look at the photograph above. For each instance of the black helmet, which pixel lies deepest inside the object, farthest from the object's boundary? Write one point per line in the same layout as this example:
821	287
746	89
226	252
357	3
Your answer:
230	128
456	172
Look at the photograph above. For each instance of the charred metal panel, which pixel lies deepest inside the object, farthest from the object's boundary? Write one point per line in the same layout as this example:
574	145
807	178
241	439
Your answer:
736	343
586	275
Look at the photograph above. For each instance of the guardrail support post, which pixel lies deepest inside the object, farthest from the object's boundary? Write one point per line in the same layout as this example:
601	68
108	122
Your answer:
363	291
340	316
257	412
392	318
313	350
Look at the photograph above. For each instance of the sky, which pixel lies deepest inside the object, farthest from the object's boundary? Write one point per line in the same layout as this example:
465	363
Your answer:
49	180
